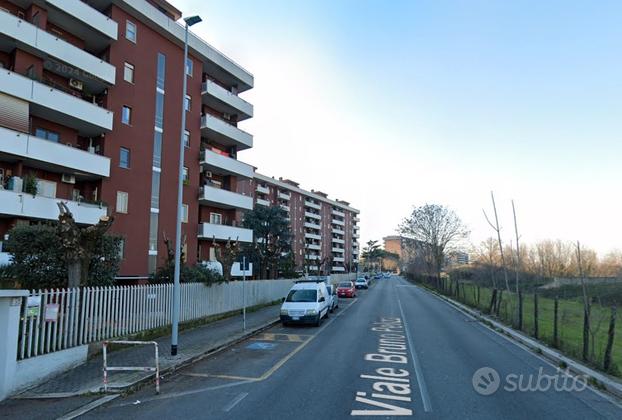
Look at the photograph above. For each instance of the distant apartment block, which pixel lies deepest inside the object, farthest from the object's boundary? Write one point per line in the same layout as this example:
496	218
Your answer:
90	104
325	232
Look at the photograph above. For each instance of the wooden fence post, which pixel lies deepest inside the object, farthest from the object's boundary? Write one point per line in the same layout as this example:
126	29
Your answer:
499	300
556	323
520	311
493	299
586	332
535	315
478	295
610	337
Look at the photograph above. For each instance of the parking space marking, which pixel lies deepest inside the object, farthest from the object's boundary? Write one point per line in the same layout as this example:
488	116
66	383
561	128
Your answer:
281	362
235	402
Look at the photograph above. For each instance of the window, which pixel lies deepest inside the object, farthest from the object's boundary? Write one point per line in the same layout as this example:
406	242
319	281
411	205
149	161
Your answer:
184	213
159	111
121	248
130	31
122	199
48	135
189	67
157	149
161	71
155	190
215	218
186	176
187	139
124	158
128	72
46	188
126	115
188	103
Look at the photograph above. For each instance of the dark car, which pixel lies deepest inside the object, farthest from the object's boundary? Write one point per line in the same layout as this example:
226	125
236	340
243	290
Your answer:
346	289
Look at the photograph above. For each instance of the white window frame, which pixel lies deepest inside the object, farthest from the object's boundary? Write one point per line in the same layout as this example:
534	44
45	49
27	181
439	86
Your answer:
129	23
187	139
123	108
46	188
189	68
184	214
122	198
215	218
188	103
129	68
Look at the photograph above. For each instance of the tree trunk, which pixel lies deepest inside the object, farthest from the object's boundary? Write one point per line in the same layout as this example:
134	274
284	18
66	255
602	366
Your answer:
586	333
556	323
74	273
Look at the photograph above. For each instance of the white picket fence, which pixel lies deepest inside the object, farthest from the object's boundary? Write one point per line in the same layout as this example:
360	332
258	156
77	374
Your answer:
57	319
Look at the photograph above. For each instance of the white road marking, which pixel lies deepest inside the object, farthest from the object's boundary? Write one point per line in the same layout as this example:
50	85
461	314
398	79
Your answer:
423	389
235	401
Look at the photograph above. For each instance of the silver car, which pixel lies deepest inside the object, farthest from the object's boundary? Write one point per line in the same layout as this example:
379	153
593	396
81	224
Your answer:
333	299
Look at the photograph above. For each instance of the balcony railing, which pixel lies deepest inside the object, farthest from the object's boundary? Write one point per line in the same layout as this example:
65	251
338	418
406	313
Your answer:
224	232
220	198
223	100
224	164
225	133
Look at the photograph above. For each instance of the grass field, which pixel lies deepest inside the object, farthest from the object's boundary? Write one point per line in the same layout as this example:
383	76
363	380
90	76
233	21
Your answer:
570	322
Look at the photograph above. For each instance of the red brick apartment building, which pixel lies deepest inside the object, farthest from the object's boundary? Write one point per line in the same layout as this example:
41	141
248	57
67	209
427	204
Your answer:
324	231
90	104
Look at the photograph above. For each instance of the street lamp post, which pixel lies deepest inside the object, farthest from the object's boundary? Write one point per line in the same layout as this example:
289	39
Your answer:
191	20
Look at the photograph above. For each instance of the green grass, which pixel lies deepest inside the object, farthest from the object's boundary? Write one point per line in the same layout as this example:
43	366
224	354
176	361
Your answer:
570	322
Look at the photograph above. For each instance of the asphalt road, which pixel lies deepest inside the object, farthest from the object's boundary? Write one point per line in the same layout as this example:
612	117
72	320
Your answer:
396	350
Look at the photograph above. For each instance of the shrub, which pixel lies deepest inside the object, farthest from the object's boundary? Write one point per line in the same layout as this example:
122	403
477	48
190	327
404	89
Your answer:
188	274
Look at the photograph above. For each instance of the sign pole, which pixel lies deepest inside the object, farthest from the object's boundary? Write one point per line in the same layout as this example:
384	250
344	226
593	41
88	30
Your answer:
244	292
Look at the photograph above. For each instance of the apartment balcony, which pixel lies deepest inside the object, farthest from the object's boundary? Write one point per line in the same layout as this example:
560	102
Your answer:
338	241
57	106
219	98
312	215
339	222
312	225
313	268
338	213
262	189
313	236
59	56
5	258
223	199
338	269
262	202
356	235
284	196
89	22
356	218
338	250
284	207
50	156
312	205
224	133
339	259
312	257
339	231
221	164
19	204
224	232
316	247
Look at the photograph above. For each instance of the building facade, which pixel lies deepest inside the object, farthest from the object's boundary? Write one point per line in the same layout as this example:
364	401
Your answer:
325	232
90	106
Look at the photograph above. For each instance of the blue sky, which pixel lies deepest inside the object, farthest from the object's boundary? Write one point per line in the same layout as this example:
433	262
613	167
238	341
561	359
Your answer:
390	104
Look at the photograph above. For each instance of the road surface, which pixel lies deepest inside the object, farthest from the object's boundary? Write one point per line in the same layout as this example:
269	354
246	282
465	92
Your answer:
395	350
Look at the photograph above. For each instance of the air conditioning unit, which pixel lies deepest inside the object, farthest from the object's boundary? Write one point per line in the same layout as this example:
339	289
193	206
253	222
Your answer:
208	174
226	116
76	84
68	179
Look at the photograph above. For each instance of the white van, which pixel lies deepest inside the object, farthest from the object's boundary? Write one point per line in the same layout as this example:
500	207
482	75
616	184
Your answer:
306	303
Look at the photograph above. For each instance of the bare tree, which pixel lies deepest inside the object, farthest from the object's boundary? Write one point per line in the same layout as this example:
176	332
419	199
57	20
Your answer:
517	266
498	230
79	243
436	228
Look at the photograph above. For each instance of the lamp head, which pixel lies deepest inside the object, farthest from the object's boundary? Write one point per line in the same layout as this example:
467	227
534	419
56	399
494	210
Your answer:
191	20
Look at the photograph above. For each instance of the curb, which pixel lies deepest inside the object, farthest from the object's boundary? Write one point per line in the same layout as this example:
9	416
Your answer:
603	382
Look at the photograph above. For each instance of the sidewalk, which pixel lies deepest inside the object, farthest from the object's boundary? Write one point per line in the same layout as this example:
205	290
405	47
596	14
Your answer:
86	379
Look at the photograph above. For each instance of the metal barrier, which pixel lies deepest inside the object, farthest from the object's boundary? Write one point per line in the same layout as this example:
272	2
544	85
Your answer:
131	368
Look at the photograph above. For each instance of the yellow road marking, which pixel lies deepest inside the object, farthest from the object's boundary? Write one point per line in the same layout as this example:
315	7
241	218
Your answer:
294	338
281	362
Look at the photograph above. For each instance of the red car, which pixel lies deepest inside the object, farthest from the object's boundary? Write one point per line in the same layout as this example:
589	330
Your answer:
346	289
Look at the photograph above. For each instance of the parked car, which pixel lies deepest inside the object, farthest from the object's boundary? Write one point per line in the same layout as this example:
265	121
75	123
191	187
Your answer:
377	276
346	289
333	298
387	275
361	283
306	303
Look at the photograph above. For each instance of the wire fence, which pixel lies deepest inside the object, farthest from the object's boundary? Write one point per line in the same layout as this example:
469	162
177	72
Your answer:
558	321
